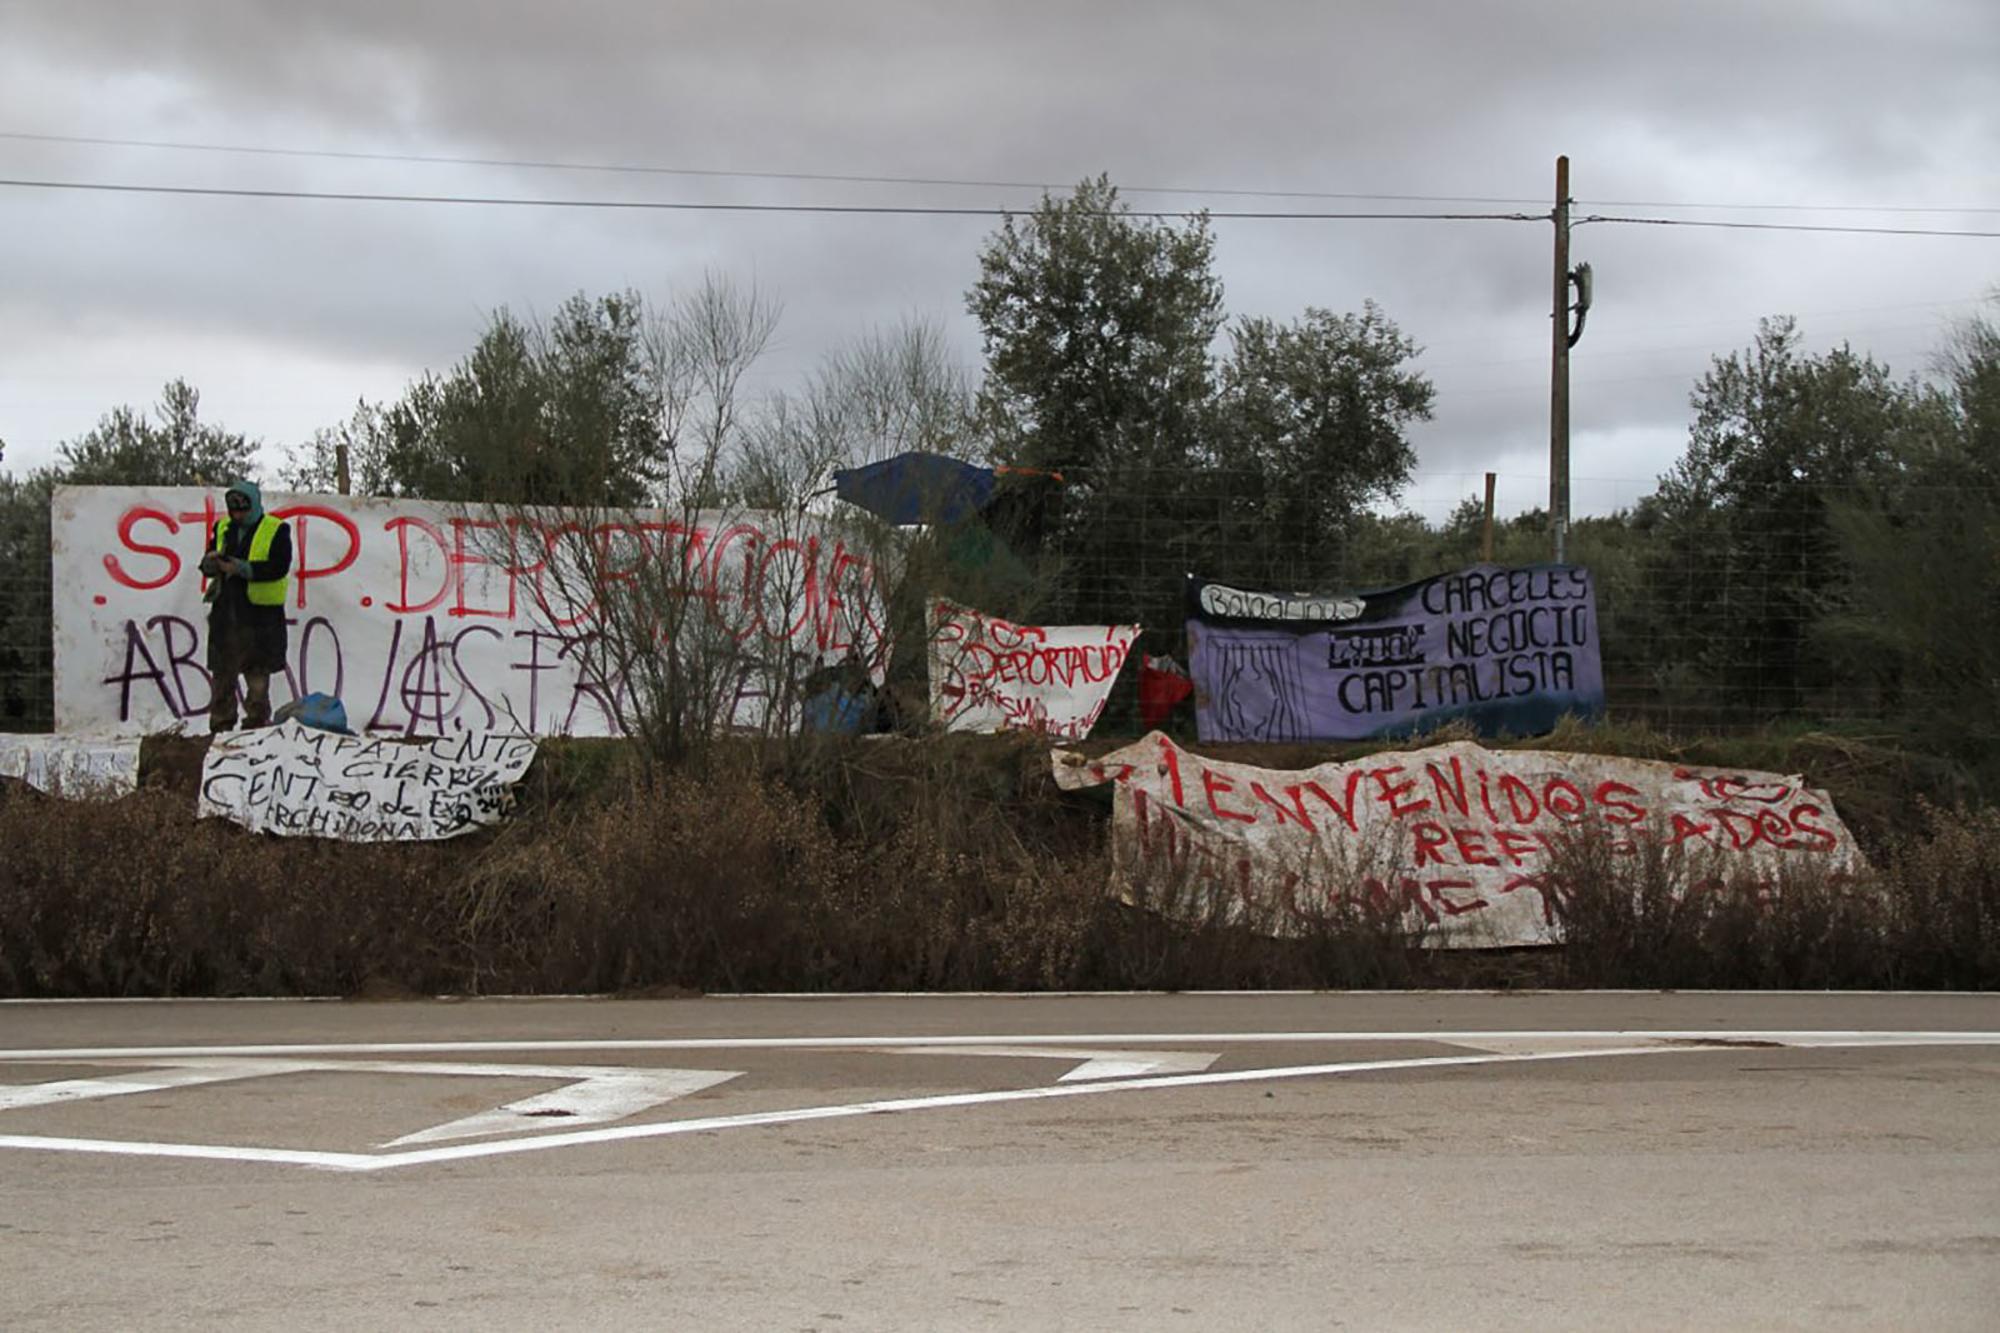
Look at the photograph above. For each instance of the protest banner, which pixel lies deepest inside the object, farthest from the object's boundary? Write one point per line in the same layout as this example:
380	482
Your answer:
297	781
91	766
1461	842
989	674
430	619
1507	650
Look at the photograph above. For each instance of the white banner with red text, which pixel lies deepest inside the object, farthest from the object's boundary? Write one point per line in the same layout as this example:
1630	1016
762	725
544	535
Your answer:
431	619
1462	842
989	674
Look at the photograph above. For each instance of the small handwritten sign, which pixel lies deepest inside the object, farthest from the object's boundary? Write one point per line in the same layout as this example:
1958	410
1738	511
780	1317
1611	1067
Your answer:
299	782
989	674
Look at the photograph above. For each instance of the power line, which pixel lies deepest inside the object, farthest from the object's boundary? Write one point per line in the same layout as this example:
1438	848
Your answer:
711	174
1789	208
956	182
1782	226
931	210
899	210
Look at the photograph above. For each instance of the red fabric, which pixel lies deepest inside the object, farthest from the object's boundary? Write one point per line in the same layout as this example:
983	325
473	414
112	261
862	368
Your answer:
1160	692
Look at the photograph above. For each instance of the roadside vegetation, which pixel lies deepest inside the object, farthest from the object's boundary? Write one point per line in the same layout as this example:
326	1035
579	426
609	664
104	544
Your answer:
944	863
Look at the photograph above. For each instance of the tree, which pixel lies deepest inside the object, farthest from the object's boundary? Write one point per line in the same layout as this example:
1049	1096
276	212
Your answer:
1099	332
364	437
1096	327
563	412
173	448
1747	559
1922	618
26	685
127	447
1314	416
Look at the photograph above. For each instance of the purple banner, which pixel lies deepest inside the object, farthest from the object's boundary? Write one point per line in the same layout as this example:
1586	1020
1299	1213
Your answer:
1508	650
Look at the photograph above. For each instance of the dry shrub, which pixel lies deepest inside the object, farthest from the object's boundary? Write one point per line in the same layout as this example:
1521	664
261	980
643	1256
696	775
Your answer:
878	865
1926	915
1942	883
136	897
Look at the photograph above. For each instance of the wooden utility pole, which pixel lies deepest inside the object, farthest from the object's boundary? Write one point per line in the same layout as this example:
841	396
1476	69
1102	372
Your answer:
1486	539
1559	369
340	478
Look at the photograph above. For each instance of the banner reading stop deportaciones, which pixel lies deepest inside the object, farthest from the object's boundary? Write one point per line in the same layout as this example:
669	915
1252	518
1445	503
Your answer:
408	612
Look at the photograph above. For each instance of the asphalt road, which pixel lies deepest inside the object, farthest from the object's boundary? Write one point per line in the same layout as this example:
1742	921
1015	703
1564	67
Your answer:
1144	1162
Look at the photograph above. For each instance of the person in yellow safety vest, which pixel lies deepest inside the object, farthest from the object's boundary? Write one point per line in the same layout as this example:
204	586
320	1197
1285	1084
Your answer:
248	567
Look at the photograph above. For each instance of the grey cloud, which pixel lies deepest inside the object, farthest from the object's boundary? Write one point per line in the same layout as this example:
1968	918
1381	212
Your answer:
1828	103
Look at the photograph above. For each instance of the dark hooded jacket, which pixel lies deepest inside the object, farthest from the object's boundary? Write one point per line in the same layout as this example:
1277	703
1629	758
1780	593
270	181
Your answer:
242	636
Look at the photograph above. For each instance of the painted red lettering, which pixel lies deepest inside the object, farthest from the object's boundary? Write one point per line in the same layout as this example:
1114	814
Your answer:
1213	785
1822	838
1516	791
1395	795
401	525
1430	838
1344	810
1453	906
462	559
1450	789
1515	845
117	571
1564	800
1611	798
1295	814
303	570
1472	847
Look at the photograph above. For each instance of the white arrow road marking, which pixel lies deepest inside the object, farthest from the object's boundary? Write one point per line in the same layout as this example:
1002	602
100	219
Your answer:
1096	1064
170	1074
597	1096
592	1095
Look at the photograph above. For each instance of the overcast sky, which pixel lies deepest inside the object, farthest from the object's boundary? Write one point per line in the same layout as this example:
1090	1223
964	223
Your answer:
284	312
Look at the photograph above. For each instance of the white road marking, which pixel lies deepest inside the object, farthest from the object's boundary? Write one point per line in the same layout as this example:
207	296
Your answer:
1651	1043
592	1094
602	1095
1095	1064
189	1074
1458	1037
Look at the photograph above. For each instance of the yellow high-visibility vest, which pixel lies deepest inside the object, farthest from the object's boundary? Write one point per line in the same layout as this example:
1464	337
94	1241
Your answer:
262	592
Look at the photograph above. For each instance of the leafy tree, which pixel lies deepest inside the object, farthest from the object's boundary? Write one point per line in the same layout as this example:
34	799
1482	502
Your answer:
174	447
1310	430
26	687
127	447
1747	559
563	412
1922	620
1096	327
364	436
1099	330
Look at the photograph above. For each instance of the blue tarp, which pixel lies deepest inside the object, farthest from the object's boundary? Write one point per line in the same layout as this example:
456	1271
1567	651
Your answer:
917	488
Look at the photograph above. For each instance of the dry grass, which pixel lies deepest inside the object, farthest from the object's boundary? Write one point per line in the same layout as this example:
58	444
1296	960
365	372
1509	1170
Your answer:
1926	916
945	864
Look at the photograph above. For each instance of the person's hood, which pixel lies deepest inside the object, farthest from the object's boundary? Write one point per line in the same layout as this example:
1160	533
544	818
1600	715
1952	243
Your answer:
249	490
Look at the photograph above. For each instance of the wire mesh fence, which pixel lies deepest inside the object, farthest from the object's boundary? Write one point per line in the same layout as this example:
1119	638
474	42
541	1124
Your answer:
1717	612
27	657
1722	612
